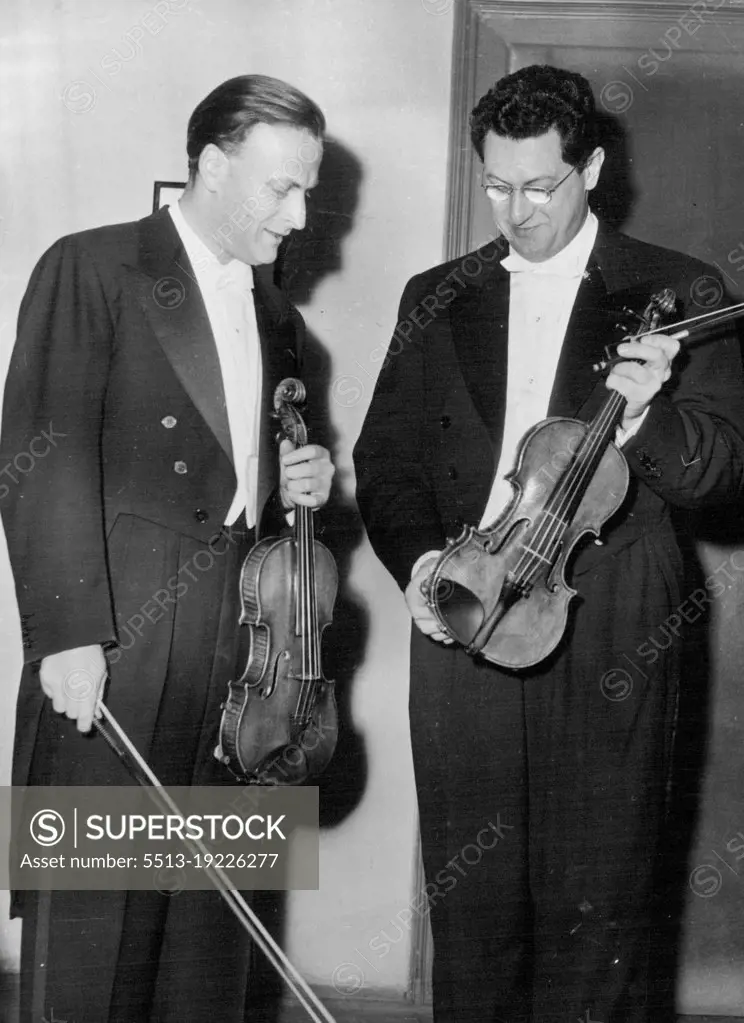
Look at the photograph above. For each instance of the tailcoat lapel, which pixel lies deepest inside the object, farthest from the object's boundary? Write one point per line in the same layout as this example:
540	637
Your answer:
479	319
166	287
169	295
586	335
614	280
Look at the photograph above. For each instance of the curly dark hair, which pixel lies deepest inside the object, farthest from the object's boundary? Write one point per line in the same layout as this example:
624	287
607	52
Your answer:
533	100
229	112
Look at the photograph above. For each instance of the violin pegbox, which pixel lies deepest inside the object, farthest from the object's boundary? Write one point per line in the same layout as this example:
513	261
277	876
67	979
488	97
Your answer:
288	395
628	320
626	323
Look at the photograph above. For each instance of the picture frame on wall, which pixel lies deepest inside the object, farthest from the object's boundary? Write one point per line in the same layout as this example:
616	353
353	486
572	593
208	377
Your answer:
166	193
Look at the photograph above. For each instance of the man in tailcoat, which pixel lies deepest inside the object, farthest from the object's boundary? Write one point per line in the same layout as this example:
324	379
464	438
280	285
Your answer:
142	383
542	791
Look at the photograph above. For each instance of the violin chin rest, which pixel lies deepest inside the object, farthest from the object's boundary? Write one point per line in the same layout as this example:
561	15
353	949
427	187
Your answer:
219	754
460	610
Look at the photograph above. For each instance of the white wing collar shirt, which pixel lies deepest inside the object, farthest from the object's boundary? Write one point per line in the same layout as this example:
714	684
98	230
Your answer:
541	297
227	290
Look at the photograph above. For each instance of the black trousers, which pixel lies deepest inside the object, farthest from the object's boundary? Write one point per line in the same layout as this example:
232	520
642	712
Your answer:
542	801
143	956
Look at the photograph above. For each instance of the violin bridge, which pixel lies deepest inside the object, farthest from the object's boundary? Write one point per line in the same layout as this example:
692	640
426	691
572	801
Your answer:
536	554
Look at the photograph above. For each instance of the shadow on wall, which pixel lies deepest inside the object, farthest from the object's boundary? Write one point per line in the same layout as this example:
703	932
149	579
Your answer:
304	261
309	256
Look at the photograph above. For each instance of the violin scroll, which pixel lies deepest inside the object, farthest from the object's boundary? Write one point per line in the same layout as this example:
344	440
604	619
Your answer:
288	395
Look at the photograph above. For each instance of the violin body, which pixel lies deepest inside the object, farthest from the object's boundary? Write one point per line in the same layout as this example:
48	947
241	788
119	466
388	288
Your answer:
280	747
469	577
502	592
279	722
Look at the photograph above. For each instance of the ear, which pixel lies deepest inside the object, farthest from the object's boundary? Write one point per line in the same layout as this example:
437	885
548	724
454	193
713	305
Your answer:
593	167
212	166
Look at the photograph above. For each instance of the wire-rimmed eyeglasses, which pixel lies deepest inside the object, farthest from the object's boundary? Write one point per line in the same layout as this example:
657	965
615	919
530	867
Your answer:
539	196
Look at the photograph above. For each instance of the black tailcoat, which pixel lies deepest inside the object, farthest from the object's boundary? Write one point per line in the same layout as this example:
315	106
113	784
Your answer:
114	530
542	793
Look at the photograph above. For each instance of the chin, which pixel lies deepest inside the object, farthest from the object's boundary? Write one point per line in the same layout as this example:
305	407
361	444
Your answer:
538	249
254	258
535	253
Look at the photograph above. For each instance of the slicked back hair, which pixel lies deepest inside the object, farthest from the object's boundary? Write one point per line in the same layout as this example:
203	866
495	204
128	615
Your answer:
530	102
228	113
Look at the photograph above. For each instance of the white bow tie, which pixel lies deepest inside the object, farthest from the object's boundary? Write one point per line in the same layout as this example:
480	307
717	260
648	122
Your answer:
554	267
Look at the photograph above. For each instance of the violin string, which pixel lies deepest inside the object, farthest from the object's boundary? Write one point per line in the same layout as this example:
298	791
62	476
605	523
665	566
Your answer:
314	597
311	615
550	522
310	670
308	616
571	483
308	602
549	527
235	900
597	439
312	584
299	603
302	588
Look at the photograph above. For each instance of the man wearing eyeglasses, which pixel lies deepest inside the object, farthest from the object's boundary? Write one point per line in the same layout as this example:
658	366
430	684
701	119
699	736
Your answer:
542	792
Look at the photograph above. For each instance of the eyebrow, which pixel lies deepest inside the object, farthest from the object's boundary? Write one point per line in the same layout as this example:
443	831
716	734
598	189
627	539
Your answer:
288	182
495	179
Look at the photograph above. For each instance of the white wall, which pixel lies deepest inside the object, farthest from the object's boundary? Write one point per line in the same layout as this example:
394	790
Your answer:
94	100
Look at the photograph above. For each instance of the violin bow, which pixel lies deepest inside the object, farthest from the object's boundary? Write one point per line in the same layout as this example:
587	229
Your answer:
136	764
714	318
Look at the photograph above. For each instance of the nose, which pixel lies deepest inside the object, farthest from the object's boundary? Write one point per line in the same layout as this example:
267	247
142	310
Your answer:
295	209
520	208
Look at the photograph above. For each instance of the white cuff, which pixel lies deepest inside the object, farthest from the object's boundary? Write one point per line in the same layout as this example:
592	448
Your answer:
623	436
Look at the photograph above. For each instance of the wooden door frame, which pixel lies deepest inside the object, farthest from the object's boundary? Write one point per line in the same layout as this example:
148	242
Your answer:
469	15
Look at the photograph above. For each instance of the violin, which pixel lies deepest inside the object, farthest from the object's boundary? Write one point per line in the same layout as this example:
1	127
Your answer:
279	723
502	592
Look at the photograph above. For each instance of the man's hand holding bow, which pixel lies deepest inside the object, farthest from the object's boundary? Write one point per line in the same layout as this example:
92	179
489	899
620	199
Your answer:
639	382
